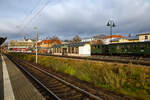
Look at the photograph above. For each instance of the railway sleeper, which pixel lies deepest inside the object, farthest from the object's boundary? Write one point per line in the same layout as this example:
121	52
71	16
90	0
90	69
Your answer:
64	90
67	96
54	85
58	87
74	97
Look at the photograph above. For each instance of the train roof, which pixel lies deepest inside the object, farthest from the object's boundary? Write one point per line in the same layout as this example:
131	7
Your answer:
142	42
130	43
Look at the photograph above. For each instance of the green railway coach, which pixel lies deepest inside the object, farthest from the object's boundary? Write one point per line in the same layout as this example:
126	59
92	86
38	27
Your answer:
134	48
97	49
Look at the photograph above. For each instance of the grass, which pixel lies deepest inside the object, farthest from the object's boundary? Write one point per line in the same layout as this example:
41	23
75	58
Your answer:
127	79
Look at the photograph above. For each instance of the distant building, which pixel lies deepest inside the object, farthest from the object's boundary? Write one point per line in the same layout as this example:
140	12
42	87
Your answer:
126	39
45	45
109	39
144	37
97	39
25	45
87	39
49	43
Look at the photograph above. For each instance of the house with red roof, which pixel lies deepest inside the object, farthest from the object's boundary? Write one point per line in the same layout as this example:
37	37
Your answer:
110	38
45	45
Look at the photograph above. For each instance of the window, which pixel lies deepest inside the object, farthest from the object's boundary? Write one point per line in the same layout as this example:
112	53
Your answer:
72	49
146	37
142	47
77	50
69	50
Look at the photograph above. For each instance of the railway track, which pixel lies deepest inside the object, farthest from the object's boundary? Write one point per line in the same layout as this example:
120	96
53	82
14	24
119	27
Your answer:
54	87
114	59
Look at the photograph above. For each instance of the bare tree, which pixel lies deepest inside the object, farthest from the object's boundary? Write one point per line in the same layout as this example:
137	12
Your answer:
76	39
52	38
101	36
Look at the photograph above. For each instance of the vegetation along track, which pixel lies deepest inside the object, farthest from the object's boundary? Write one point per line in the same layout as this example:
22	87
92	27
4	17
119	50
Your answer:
112	59
57	88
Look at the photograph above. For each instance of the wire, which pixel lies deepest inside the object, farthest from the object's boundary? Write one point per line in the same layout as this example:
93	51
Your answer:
36	14
29	16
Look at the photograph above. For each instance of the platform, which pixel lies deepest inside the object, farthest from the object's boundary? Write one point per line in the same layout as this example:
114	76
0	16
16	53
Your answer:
15	86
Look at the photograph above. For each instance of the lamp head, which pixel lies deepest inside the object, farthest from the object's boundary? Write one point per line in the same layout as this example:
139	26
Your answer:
108	24
113	25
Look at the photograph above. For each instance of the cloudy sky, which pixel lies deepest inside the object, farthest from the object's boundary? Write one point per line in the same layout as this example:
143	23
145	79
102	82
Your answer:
67	18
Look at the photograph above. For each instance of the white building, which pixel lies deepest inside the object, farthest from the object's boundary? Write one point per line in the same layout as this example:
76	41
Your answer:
85	50
87	39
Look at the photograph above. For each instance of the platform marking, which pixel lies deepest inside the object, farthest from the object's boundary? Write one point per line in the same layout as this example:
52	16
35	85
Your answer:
8	91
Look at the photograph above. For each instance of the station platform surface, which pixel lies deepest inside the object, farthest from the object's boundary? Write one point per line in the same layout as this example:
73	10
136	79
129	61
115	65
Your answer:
14	85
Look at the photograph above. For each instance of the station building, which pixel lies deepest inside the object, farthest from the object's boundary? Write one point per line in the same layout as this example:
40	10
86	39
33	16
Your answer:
72	49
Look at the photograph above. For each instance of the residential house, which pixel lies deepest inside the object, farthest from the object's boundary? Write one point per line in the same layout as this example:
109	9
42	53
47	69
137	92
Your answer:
109	39
126	39
144	37
45	45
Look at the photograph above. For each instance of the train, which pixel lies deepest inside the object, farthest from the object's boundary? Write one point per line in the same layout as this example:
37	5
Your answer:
130	48
88	49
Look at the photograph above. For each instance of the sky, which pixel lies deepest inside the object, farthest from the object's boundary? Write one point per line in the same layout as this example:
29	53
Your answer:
67	18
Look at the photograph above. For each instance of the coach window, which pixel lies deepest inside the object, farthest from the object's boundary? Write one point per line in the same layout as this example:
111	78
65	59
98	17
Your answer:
142	47
135	47
128	46
146	37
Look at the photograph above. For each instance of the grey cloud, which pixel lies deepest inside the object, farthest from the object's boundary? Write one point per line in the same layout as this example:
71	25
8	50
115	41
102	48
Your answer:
66	18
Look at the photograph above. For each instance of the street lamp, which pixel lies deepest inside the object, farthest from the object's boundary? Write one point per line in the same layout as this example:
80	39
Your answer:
35	28
111	24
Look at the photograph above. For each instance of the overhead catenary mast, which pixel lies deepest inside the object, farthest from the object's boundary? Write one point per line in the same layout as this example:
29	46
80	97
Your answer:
35	28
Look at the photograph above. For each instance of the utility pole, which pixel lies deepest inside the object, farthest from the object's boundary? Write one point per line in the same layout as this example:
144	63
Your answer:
35	28
111	24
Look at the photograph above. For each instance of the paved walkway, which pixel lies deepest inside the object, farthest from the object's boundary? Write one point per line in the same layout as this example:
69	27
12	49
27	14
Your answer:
22	89
1	80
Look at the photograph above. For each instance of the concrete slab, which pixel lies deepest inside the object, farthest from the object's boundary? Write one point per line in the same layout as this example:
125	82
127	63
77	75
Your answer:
8	92
22	88
1	81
